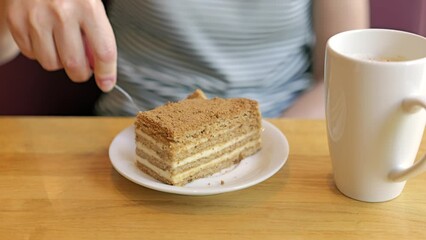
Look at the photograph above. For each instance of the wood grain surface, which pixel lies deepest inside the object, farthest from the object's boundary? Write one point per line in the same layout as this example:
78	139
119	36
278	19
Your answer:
57	182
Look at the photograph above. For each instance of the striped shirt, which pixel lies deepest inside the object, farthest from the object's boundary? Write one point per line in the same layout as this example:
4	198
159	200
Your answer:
259	49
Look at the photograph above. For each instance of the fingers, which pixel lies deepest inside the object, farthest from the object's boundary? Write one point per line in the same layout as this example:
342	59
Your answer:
66	34
18	27
43	44
70	48
101	49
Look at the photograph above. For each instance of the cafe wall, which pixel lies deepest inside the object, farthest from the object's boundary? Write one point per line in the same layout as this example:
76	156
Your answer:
407	15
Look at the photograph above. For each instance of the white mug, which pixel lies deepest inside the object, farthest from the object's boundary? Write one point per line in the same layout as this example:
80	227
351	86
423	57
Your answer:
375	83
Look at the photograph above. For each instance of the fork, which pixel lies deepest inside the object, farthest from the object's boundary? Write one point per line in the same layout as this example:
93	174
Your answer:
122	91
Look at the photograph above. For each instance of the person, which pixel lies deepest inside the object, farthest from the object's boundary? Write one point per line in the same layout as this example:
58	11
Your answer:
271	51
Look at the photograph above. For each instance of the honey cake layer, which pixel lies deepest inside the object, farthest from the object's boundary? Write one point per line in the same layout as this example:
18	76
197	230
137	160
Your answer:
198	157
206	169
177	121
173	152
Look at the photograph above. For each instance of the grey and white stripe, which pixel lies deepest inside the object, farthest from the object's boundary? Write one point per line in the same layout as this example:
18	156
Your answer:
258	49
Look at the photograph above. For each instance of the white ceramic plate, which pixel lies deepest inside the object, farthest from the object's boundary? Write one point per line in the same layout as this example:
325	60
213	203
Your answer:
248	172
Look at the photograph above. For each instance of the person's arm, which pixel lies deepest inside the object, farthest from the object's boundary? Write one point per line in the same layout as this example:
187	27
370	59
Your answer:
329	17
74	35
8	48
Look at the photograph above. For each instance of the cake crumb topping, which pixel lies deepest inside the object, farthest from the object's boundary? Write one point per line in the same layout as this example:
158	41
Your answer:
177	118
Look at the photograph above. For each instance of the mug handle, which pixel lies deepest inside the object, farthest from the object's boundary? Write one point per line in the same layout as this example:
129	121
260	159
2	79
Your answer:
411	105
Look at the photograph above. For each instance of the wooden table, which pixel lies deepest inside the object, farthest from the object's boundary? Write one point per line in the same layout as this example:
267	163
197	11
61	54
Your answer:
57	182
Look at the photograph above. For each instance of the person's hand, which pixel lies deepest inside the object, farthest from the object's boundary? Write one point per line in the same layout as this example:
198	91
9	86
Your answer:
74	35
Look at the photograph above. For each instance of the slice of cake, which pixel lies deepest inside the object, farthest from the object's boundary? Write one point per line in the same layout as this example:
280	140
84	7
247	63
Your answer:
179	142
